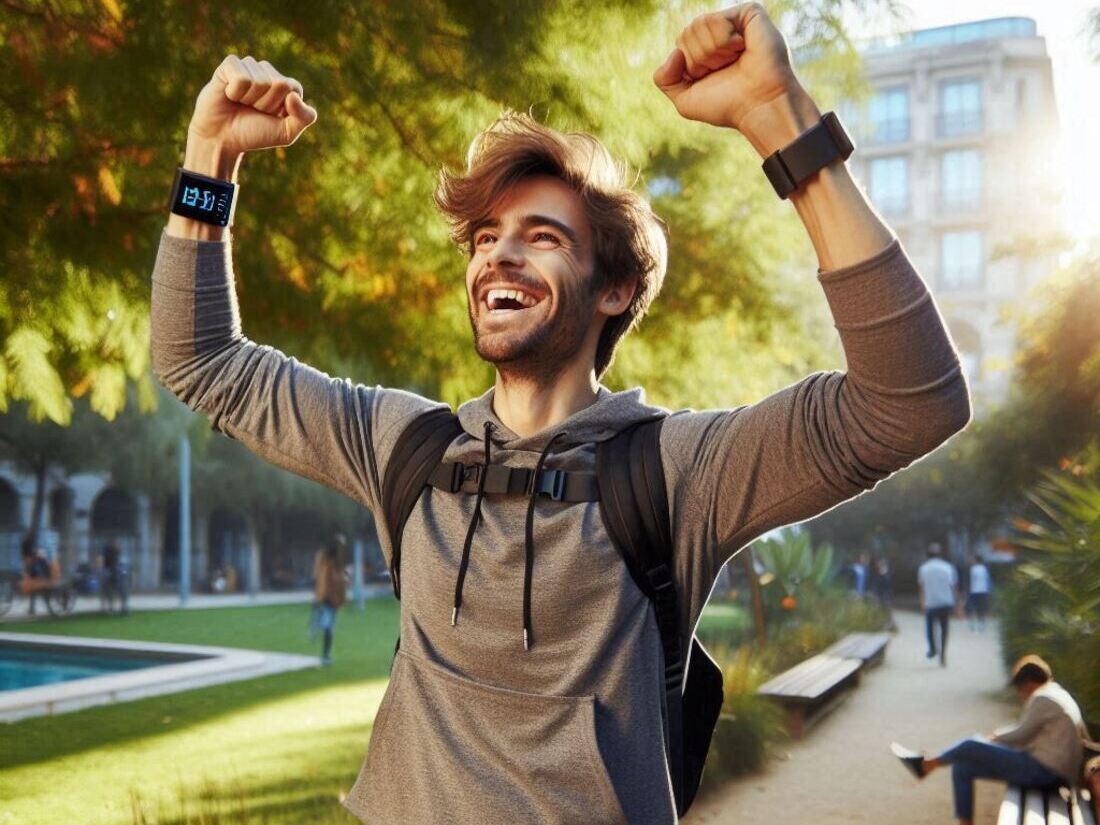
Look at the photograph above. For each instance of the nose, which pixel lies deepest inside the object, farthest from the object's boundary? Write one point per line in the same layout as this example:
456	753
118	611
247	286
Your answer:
506	251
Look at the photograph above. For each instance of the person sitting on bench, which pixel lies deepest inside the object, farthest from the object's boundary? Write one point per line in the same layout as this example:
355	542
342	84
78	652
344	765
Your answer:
1045	749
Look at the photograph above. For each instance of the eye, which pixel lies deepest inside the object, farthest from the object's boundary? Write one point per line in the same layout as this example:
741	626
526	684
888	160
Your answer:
543	235
483	238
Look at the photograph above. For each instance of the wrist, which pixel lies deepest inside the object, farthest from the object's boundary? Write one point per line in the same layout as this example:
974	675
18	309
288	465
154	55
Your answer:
211	158
775	124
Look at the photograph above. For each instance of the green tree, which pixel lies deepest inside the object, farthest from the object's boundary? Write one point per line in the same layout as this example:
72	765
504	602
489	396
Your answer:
341	260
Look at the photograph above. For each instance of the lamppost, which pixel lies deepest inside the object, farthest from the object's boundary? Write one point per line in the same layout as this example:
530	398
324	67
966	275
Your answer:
185	520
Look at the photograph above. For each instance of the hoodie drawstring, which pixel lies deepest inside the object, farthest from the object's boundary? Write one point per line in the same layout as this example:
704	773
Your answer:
529	543
473	526
529	538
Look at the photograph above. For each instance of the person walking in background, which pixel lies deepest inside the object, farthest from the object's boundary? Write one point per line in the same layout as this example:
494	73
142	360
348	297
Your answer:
939	585
1045	749
329	590
979	587
882	588
860	574
36	571
114	581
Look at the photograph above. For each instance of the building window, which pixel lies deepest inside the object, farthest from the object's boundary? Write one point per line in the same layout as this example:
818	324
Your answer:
961	259
890	184
960	110
888	115
961	179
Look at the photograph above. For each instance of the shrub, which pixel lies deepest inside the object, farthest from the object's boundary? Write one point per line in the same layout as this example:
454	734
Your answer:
749	723
1052	605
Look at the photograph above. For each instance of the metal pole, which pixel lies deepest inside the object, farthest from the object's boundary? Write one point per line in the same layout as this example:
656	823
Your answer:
357	574
185	520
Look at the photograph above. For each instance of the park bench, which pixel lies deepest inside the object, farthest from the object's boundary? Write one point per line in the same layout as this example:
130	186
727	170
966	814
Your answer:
1030	806
810	689
869	648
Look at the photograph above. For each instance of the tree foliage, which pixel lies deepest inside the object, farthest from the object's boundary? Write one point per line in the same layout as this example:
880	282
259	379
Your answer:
340	258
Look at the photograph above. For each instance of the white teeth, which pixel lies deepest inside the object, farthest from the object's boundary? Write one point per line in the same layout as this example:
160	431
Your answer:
513	294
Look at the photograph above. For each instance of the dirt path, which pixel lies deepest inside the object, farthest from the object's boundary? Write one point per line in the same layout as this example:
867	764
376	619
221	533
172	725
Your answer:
843	772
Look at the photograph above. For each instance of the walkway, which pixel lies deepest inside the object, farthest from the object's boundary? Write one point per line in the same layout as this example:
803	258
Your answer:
196	601
843	772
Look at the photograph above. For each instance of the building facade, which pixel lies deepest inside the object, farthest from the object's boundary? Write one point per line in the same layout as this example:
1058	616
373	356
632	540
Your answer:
957	146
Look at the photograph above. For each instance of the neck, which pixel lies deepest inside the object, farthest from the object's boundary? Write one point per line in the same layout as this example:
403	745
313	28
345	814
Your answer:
527	406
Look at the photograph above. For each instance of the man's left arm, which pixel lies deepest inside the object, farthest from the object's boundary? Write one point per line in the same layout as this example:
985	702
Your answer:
736	473
1038	712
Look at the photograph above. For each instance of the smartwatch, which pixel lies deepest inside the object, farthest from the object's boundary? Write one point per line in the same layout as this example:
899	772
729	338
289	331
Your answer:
202	198
817	147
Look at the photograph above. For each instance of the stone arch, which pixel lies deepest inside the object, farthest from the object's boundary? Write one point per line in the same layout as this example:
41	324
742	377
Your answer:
11	526
115	519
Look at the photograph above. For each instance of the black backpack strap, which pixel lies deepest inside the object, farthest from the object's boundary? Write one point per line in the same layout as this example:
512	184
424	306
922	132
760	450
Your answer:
634	506
418	451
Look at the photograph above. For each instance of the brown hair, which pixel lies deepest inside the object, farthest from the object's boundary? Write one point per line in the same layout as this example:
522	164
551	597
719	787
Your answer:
1030	668
629	240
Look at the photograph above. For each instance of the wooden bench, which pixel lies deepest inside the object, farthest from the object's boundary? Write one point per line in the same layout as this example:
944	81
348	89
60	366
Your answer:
869	648
1029	806
812	688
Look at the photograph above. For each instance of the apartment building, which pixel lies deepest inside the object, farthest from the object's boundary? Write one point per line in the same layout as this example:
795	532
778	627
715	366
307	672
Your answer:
957	149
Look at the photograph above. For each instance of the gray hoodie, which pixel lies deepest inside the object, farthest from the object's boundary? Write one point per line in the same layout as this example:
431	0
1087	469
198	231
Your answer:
476	726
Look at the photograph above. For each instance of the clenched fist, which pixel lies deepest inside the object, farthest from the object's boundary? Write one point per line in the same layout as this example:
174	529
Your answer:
249	105
726	64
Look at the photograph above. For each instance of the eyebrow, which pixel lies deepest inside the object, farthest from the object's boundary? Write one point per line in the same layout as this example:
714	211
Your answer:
527	221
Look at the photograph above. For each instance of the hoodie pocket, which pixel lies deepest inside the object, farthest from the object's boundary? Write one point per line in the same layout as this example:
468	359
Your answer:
448	749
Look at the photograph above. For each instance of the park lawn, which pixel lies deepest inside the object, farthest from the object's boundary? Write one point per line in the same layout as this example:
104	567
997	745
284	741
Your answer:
724	618
279	749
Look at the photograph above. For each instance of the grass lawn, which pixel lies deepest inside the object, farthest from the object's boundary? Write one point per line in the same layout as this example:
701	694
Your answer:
724	620
276	750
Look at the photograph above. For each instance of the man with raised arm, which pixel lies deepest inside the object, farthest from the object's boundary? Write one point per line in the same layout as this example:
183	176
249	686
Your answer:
528	686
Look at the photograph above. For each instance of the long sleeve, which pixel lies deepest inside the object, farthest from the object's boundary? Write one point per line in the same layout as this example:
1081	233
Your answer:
1039	711
327	429
737	473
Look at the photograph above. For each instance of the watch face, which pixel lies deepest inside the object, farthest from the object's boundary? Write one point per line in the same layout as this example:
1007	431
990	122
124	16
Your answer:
204	200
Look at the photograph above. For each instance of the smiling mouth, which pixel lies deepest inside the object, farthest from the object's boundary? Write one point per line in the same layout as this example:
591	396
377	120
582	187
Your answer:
502	303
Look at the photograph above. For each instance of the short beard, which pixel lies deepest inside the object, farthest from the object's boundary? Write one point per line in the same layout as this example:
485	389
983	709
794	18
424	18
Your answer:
540	355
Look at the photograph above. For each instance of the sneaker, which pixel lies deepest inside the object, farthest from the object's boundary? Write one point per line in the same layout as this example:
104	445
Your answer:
326	661
912	760
931	654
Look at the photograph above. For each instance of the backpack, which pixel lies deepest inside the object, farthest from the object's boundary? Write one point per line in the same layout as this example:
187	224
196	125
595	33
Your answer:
634	507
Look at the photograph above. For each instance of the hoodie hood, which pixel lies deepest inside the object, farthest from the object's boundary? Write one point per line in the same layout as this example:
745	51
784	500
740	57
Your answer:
599	421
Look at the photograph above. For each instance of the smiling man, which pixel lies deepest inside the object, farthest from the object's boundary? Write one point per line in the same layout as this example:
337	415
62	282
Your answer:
528	687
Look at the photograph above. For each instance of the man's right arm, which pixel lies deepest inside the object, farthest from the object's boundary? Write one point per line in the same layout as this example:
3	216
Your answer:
288	413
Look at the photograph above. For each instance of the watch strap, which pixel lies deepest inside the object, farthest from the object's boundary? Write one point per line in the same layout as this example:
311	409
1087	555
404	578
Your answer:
817	147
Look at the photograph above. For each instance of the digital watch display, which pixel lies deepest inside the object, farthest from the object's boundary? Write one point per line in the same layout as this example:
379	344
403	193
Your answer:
203	198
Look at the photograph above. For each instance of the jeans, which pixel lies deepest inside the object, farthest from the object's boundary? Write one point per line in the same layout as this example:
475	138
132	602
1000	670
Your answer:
973	759
322	620
933	616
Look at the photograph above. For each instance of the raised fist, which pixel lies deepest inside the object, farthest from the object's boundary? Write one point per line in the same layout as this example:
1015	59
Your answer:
249	105
725	64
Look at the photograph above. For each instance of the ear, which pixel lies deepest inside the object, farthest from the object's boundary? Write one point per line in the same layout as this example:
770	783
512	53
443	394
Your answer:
616	299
